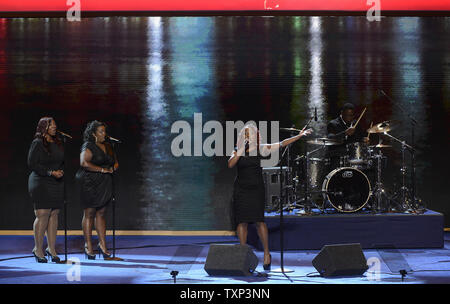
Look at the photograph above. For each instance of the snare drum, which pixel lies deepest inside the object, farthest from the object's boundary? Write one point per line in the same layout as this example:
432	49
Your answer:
347	189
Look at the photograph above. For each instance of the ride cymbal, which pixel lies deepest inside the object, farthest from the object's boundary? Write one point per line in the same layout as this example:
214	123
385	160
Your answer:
382	127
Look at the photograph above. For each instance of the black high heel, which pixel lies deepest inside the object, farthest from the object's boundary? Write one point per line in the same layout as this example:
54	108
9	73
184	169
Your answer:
100	252
55	258
87	255
39	259
267	266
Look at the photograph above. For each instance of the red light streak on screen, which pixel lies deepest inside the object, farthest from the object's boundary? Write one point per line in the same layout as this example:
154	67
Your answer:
233	5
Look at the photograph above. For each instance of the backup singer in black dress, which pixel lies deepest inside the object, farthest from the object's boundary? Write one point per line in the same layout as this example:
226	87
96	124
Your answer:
46	186
249	193
98	161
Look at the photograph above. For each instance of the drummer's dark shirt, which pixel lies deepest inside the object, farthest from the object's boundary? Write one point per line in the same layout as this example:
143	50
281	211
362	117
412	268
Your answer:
336	130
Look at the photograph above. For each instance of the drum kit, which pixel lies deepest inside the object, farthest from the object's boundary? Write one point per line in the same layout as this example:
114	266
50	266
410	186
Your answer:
354	184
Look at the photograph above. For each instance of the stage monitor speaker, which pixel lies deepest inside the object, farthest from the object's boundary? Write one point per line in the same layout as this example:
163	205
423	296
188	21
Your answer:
340	260
230	260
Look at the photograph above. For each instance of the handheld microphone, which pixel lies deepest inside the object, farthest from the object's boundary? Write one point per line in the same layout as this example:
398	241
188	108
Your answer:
64	134
315	113
113	139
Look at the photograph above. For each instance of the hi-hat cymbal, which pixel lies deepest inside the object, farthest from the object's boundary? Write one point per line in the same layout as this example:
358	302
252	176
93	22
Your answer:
382	127
324	141
380	146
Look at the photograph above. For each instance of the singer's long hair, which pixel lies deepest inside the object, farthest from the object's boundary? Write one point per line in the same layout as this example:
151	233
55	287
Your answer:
42	131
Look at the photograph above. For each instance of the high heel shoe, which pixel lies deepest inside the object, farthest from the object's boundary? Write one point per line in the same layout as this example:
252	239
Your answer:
87	255
100	252
267	266
39	259
55	258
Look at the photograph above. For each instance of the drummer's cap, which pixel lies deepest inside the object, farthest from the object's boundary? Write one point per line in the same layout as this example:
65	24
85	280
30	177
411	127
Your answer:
348	106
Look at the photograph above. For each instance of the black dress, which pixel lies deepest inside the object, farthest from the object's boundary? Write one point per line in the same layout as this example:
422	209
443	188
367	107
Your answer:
46	192
249	191
95	187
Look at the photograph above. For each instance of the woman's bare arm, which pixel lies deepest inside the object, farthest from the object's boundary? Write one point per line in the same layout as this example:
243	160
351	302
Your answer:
85	162
267	148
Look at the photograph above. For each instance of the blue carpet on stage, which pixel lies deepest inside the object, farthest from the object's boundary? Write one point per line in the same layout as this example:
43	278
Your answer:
385	230
150	260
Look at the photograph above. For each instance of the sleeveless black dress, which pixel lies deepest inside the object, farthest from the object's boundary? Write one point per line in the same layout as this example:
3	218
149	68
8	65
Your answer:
249	191
46	192
95	187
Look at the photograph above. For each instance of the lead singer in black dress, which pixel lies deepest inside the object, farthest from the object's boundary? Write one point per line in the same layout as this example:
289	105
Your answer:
249	192
97	161
46	186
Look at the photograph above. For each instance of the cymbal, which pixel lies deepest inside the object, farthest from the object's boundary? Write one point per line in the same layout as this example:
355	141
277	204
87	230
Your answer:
382	127
380	146
324	141
290	129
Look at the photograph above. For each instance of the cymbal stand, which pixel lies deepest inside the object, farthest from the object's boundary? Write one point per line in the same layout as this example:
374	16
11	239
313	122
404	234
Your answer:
417	202
380	196
403	196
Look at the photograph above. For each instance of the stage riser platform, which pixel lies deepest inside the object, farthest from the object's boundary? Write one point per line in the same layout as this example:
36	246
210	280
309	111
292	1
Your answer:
370	230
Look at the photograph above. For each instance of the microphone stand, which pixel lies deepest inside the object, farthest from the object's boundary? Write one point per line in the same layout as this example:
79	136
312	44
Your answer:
282	269
65	205
114	258
64	137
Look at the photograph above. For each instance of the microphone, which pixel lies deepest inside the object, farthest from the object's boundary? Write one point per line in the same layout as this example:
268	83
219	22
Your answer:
64	134
113	139
315	113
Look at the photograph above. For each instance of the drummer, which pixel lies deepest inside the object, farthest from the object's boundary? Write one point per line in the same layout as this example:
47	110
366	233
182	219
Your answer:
341	128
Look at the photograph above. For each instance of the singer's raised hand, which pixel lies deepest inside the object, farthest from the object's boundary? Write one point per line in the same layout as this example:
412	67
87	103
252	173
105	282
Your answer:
306	132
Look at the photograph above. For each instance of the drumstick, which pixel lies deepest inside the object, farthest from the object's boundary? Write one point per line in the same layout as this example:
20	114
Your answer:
360	116
306	125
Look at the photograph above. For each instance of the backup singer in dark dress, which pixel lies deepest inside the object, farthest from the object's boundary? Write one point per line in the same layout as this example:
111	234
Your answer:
98	161
46	186
249	193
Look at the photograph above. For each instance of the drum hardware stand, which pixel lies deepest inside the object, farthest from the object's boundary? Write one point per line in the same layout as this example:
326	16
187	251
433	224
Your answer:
417	202
379	193
403	193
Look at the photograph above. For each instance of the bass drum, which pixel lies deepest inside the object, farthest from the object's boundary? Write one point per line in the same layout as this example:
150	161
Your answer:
346	189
